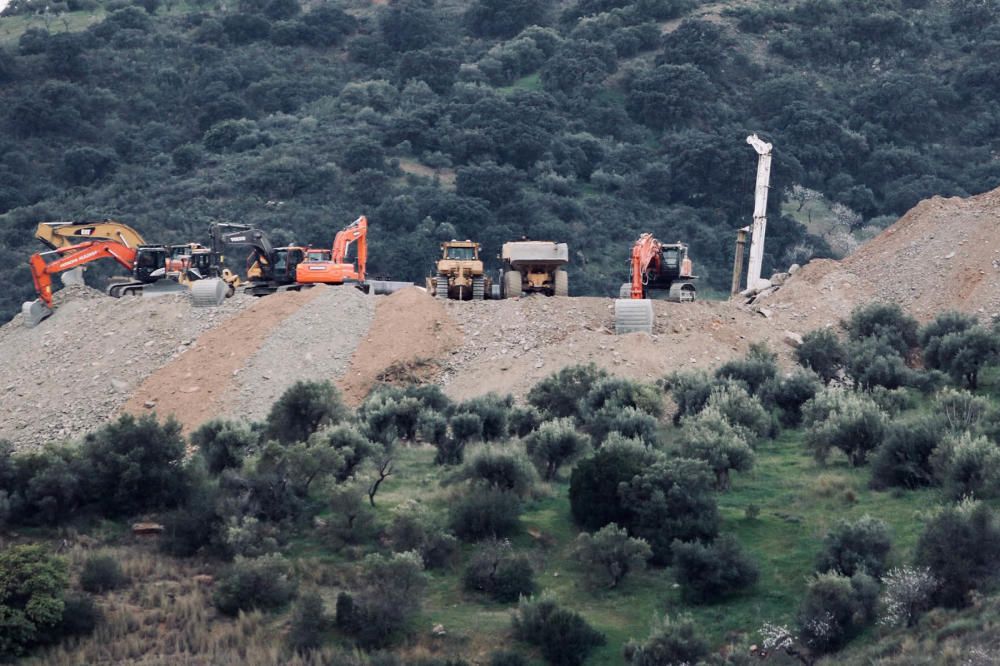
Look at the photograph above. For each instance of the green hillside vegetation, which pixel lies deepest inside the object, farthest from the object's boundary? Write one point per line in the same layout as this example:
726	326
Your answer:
840	506
584	120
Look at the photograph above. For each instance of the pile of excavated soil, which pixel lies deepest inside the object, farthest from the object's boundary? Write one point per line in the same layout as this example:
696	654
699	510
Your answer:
75	370
944	254
315	343
411	335
512	344
197	386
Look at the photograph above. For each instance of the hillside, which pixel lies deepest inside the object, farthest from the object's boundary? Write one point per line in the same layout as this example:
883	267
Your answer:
466	119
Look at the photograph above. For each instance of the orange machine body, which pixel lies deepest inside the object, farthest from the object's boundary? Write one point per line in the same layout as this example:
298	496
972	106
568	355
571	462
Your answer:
73	256
331	266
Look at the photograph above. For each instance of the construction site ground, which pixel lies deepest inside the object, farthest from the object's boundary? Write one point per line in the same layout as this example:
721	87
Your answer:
97	357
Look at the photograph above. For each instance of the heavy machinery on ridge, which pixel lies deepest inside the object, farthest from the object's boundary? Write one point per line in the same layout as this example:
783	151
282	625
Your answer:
331	266
653	266
534	267
269	268
459	273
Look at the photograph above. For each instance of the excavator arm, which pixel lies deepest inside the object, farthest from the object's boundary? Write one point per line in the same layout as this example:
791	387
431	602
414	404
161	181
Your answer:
645	256
58	235
357	231
73	256
225	236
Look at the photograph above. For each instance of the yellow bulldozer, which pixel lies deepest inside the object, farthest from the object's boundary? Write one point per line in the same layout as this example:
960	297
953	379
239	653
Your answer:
459	273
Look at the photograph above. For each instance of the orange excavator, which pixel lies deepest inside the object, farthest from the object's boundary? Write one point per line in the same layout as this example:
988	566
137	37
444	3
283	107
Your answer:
331	266
145	263
653	266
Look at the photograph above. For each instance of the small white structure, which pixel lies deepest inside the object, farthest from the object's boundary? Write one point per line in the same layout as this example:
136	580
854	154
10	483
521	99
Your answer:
759	211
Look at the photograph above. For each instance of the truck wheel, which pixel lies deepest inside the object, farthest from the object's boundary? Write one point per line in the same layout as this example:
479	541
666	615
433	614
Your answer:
478	288
511	284
441	286
562	283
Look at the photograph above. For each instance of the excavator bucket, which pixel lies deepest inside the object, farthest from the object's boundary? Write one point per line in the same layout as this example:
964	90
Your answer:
633	315
72	276
34	312
208	293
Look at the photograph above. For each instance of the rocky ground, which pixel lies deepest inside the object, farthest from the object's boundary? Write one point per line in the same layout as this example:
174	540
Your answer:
97	356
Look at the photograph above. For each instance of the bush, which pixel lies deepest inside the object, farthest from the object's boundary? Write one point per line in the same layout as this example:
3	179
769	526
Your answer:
788	394
554	444
690	391
822	352
45	487
961	546
303	409
433	427
263	583
611	552
223	444
593	486
80	615
629	422
414	528
875	362
564	637
389	593
486	513
494	413
931	335
961	411
505	658
522	420
620	404
502	469
885	321
136	465
904	457
352	518
846	421
351	445
836	608
308	623
558	395
499	572
969	467
963	355
466	428
707	573
906	593
710	437
32	583
859	547
756	369
672	641
101	573
742	410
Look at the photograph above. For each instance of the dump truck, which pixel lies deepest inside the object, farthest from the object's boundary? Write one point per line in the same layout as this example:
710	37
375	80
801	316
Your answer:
459	273
653	266
534	267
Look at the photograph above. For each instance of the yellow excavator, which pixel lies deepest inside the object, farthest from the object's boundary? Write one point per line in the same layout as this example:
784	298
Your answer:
58	235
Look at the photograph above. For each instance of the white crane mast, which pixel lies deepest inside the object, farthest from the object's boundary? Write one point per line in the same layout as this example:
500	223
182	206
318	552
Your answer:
759	211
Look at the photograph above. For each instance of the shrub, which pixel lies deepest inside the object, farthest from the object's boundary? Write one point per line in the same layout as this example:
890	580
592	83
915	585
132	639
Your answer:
32	583
390	415
672	641
893	401
48	486
690	391
610	399
505	658
822	352
502	469
352	518
223	444
308	623
859	547
836	608
494	413
741	409
710	437
875	362
906	593
788	394
963	355
710	572
593	486
486	513
352	447
414	528
389	594
135	465
263	583
904	457
303	409
564	637
885	321
499	572
969	467
960	410
612	552
932	335
754	370
671	499
248	537
433	427
466	428
522	420
629	422
554	444
101	573
846	421
558	395
80	615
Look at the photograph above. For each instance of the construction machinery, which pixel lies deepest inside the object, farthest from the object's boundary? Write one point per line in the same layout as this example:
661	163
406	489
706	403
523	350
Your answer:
269	268
459	273
653	266
534	267
146	265
331	266
57	235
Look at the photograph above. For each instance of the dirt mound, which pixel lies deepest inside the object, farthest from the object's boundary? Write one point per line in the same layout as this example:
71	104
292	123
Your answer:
409	337
196	386
78	367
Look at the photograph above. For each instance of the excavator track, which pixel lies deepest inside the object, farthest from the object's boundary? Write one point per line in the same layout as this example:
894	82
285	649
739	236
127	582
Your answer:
682	292
633	315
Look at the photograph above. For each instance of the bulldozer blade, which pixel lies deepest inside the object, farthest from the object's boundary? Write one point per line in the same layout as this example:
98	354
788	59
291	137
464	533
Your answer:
633	315
162	287
209	293
34	312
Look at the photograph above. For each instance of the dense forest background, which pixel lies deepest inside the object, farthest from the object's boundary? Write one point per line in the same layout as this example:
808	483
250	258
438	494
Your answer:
585	121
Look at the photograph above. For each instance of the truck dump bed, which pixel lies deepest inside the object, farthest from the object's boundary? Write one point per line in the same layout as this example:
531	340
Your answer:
535	253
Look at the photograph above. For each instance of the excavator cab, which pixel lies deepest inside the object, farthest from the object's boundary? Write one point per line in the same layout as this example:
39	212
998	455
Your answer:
150	263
